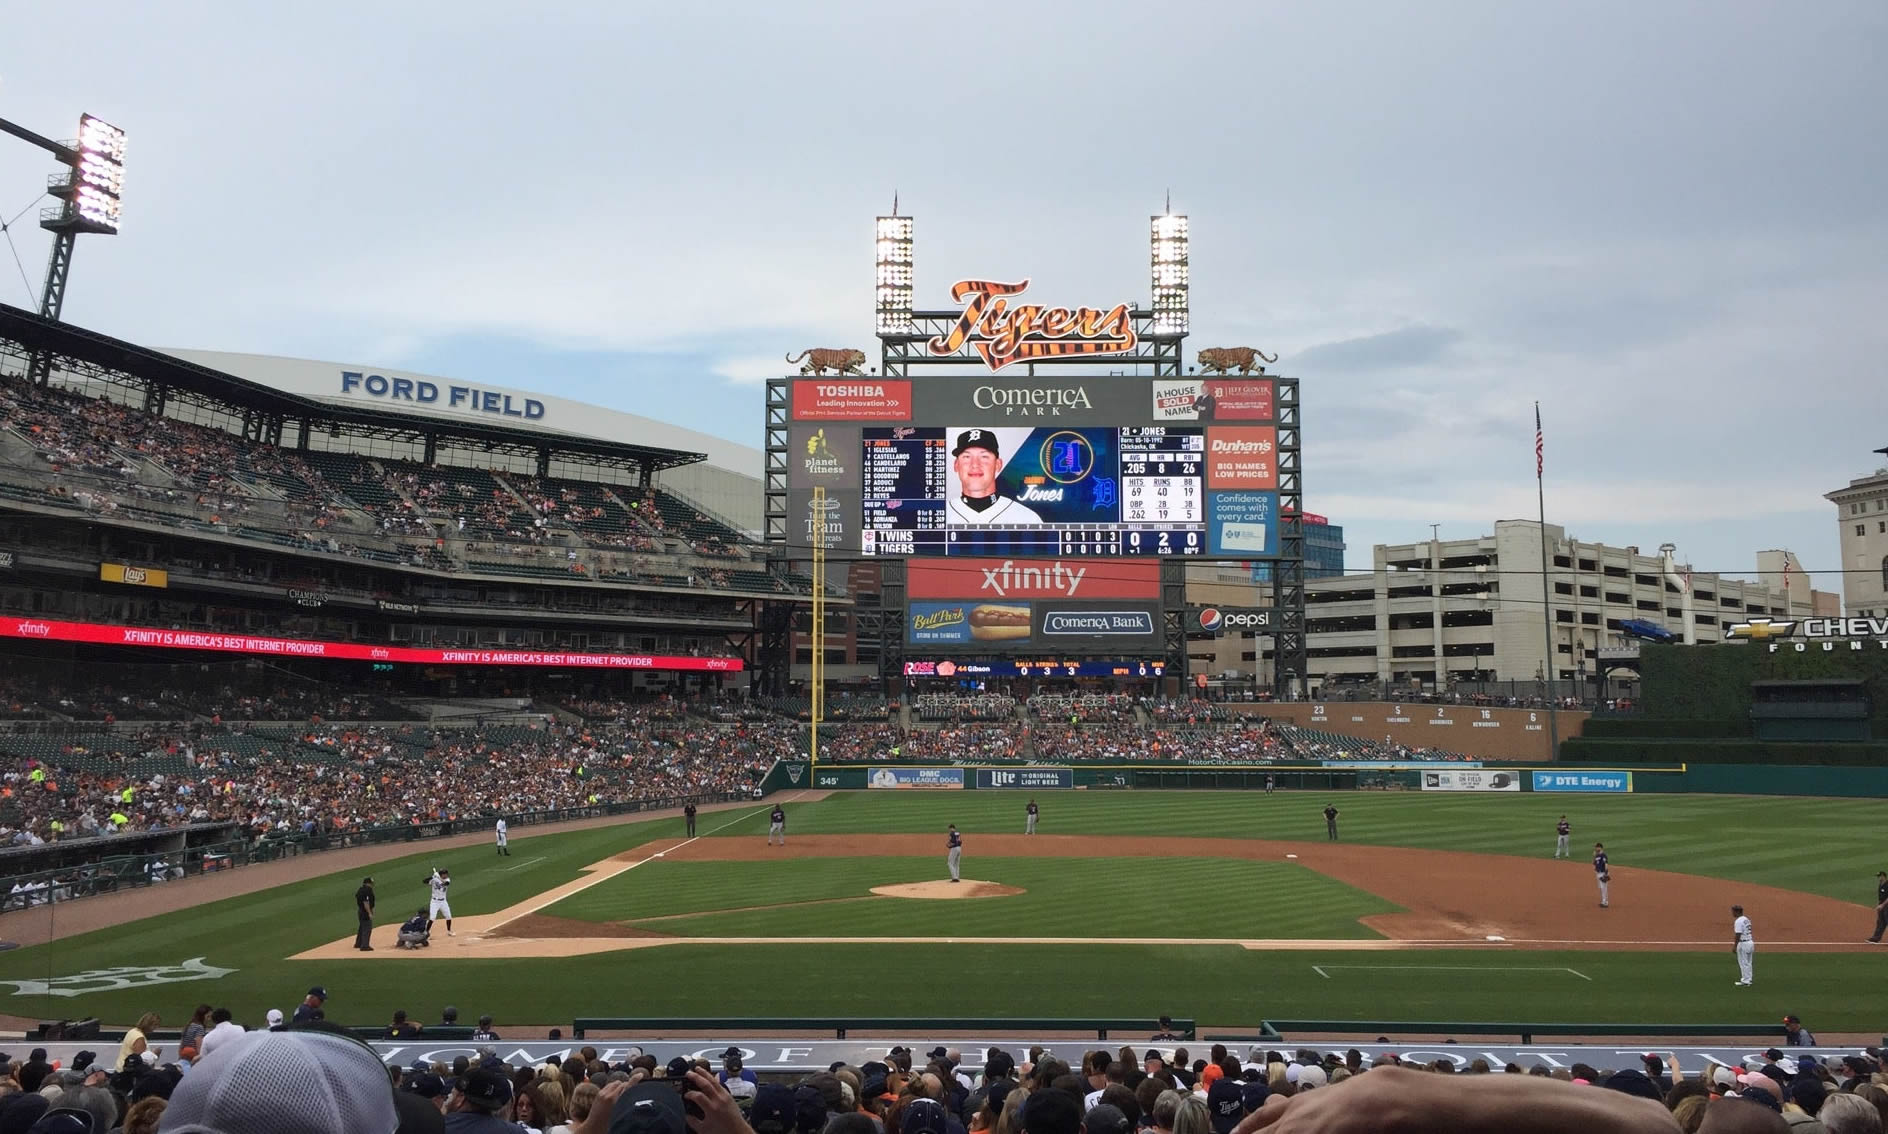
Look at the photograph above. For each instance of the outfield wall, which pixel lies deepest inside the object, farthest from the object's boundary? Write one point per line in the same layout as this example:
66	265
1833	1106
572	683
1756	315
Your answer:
1484	733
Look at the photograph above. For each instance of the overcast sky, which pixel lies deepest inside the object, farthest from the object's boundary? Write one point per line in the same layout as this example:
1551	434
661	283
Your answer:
1664	221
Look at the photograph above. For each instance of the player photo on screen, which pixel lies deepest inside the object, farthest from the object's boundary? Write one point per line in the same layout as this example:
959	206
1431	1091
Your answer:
1018	477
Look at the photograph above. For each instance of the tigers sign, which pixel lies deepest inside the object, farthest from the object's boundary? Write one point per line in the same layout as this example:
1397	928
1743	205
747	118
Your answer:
1003	334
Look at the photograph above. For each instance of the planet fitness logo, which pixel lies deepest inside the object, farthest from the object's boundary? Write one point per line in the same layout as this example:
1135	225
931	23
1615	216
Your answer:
1210	619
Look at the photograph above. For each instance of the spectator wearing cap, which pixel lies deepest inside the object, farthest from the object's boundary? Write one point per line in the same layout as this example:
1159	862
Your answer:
1225	1105
740	1083
308	1082
484	1033
1795	1034
1107	1118
449	1017
1165	1033
222	1029
275	1020
772	1111
483	1104
311	1007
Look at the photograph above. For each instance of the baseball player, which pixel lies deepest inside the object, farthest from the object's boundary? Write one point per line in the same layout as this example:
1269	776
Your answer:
1881	905
1561	830
1743	943
777	825
440	907
504	838
1029	818
1271	782
1600	873
975	460
1330	821
955	854
688	813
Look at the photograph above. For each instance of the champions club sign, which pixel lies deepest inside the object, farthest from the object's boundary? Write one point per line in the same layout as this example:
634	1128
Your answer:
1003	334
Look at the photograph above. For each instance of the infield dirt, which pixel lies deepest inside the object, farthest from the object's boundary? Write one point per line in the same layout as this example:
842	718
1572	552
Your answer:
1450	899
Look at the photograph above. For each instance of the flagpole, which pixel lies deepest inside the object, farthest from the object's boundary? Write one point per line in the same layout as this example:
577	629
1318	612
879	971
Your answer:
1547	588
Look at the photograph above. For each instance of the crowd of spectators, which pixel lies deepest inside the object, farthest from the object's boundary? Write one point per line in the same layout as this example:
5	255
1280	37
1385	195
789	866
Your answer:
227	1077
1071	744
1183	710
1079	708
336	780
964	707
1316	744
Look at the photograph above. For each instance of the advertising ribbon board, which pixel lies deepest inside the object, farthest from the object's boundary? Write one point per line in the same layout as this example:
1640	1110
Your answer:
1583	781
1455	779
1027	779
905	779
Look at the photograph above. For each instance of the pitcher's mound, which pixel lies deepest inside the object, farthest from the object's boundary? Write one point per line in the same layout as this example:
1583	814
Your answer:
945	888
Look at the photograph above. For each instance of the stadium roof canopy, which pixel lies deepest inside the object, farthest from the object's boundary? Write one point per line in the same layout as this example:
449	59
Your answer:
89	350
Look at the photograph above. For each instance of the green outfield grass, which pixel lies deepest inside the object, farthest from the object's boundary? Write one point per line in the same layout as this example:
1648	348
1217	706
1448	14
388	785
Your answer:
828	896
1825	846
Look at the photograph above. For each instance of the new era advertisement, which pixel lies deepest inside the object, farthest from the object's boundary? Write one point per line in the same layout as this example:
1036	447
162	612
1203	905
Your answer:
1471	780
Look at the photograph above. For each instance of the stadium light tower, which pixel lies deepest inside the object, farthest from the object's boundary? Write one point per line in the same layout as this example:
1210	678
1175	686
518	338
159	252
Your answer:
1169	241
90	198
894	274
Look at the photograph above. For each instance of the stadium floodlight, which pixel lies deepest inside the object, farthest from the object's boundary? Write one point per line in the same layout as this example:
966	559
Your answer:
1169	244
98	177
894	275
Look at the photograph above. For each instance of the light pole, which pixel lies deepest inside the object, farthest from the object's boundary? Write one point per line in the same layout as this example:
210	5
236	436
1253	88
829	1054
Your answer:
90	200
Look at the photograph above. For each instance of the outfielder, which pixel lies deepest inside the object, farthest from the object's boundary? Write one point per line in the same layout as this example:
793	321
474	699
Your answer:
1561	830
1744	944
955	855
1600	873
504	839
1029	820
440	907
777	825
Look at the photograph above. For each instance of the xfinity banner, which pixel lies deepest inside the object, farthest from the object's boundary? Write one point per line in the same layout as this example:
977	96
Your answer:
1475	780
1028	779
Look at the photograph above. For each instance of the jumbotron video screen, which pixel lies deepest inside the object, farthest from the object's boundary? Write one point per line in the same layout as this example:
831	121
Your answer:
1106	466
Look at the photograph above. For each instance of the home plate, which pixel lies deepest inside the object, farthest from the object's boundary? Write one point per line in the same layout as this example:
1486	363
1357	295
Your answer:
1291	856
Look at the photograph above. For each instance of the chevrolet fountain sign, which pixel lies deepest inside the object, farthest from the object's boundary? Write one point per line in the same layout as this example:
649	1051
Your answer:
1829	634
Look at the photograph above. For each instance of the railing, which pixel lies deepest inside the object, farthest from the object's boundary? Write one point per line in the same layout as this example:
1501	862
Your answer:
1274	1031
840	1025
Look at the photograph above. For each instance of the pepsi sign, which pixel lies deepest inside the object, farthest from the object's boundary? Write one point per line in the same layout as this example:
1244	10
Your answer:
1217	620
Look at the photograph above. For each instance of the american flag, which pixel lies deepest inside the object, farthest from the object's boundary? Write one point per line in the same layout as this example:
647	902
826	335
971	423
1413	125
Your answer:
1540	445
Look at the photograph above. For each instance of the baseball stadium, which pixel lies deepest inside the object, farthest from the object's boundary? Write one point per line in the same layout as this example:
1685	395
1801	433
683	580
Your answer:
899	730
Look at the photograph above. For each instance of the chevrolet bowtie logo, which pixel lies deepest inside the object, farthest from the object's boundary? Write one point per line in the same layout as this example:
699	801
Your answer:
1761	629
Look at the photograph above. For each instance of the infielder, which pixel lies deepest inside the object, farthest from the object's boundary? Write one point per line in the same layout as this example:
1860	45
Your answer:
1330	821
504	839
440	907
777	825
1561	830
955	854
1881	905
1029	820
1600	874
1744	944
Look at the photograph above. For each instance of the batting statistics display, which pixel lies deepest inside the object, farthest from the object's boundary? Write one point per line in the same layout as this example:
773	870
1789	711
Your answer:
1036	467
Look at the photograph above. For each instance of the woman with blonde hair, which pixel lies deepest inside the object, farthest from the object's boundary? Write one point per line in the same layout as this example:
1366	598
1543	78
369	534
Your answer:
582	1099
137	1040
552	1111
1192	1117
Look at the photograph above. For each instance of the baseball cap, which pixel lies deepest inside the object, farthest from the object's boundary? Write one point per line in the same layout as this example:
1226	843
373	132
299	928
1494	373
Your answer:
924	1116
678	1067
976	439
1312	1076
1252	1096
1724	1076
318	992
938	1052
649	1108
1808	1093
1226	1104
736	1053
275	1016
1106	1118
486	1088
426	1085
773	1102
1636	1083
287	1083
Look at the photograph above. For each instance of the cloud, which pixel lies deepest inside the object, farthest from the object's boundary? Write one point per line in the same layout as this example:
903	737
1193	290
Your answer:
1410	346
751	370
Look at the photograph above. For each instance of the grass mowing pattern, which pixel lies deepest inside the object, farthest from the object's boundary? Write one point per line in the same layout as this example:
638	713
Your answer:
1710	835
1242	899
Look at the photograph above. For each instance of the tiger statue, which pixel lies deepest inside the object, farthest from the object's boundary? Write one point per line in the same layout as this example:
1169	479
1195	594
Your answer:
1222	360
821	359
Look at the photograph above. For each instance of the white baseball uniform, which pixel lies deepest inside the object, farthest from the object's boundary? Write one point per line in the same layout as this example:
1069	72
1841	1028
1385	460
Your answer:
1004	511
440	907
1746	948
502	837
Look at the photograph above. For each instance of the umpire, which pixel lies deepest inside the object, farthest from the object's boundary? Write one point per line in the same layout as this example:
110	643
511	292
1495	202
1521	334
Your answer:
364	910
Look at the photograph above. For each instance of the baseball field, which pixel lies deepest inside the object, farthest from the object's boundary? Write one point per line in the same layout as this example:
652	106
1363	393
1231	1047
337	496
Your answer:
1225	907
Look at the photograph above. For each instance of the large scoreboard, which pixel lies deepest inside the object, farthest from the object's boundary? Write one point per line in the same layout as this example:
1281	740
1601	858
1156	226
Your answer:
1027	466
